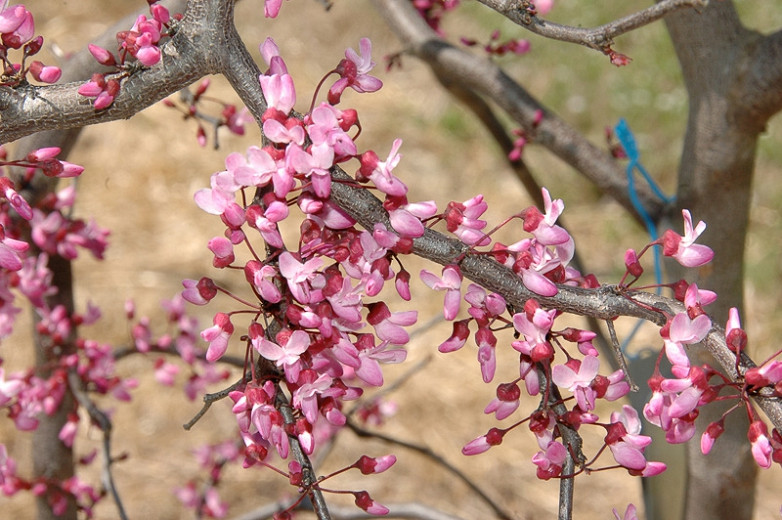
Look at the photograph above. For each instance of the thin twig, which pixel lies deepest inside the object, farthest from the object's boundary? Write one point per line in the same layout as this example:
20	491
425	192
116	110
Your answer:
598	38
619	355
214	397
103	422
427	452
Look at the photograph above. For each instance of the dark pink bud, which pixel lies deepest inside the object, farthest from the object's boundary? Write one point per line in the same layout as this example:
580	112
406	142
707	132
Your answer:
33	46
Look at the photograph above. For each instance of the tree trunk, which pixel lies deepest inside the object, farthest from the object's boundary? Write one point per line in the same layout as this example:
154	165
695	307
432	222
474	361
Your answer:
715	180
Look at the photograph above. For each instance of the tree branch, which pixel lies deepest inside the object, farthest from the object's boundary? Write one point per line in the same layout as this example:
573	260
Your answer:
482	76
598	38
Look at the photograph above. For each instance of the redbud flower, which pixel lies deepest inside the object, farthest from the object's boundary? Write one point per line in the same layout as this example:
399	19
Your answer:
713	431
365	502
683	248
492	438
271	8
761	446
223	252
45	73
218	336
286	356
369	465
630	512
451	283
550	461
458	338
353	71
103	56
461	219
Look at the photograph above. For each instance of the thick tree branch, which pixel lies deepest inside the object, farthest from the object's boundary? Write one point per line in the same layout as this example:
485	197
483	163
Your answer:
481	75
598	38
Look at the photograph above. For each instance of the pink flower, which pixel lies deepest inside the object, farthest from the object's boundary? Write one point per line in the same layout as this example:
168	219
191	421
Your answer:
369	465
353	71
388	325
492	438
279	92
286	356
550	461
218	336
577	377
761	446
271	8
506	402
104	91
304	280
380	172
630	512
451	283
461	219
683	330
365	502
683	248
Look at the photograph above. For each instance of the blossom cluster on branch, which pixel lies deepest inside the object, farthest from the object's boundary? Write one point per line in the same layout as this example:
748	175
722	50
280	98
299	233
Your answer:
318	327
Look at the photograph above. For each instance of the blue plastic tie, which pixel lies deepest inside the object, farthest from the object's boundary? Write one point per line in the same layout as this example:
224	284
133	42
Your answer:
627	140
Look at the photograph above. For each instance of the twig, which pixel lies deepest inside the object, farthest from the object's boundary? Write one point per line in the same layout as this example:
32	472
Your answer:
427	452
103	422
212	398
619	355
413	511
485	77
598	38
309	479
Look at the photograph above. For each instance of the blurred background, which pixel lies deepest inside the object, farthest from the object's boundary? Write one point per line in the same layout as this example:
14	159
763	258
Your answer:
139	180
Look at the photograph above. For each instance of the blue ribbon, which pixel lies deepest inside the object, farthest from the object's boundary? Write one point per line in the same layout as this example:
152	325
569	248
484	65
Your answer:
627	140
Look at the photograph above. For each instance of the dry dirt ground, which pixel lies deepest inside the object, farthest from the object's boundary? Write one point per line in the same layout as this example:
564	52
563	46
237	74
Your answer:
139	180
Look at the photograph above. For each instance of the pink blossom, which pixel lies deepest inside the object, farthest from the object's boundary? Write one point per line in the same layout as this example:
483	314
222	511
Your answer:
487	355
104	91
550	461
327	125
304	280
315	164
761	446
369	465
451	283
380	172
271	8
461	219
285	356
458	338
630	512
353	72
305	398
388	325
365	502
218	336
11	252
16	25
406	219
45	73
279	91
492	438
683	330
683	248
506	402
577	377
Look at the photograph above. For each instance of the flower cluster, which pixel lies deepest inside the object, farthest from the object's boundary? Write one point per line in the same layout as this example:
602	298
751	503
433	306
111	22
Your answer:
317	333
17	31
141	44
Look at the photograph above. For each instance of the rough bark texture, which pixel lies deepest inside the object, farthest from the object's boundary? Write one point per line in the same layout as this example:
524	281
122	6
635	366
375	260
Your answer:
715	183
